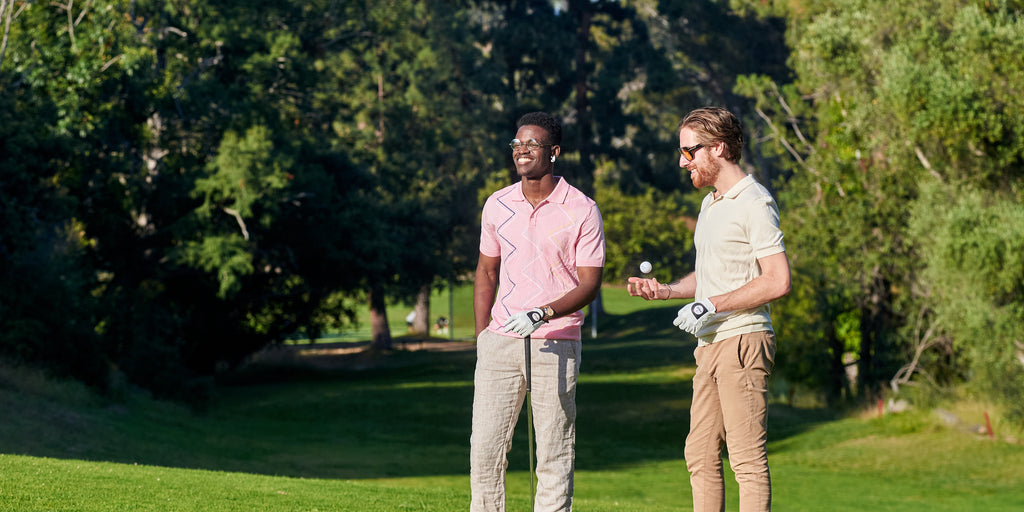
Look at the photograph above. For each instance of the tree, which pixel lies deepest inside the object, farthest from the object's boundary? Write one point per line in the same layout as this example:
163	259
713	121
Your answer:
878	111
649	227
404	111
67	115
973	276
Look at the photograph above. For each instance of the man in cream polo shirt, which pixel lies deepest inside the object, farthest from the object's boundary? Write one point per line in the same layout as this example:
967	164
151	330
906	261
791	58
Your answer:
541	260
741	266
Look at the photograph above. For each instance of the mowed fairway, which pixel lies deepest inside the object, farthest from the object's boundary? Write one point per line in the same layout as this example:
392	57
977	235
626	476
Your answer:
392	433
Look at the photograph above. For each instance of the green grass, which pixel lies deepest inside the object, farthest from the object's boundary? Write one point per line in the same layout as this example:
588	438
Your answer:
395	436
458	311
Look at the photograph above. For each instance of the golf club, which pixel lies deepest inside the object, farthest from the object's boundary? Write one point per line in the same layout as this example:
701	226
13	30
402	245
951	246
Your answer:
529	417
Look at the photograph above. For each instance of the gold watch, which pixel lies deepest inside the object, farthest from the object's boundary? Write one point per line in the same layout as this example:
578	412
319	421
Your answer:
549	313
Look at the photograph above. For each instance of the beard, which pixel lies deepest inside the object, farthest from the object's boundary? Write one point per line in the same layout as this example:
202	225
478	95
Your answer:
706	174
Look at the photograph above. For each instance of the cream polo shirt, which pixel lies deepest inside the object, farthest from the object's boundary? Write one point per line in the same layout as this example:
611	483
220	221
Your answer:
732	232
540	250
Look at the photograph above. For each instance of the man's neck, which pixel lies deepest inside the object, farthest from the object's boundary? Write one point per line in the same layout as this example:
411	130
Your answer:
538	189
730	175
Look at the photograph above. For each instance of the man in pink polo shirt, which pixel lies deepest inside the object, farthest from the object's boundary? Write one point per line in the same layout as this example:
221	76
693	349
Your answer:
541	252
741	266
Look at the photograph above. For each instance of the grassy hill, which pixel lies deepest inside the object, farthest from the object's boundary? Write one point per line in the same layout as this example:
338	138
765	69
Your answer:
391	432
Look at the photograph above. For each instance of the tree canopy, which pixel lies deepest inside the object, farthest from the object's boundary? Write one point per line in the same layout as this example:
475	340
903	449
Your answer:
184	182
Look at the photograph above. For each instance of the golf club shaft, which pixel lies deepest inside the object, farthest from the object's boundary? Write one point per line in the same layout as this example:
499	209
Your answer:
526	343
529	417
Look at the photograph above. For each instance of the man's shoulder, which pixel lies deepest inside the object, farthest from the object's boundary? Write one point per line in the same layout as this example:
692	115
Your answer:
577	199
503	192
507	189
754	190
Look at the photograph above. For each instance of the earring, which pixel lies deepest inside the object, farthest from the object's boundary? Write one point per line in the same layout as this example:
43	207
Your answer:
552	158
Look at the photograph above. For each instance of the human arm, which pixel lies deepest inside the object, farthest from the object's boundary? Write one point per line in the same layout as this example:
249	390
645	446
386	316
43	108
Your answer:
485	286
587	267
764	237
651	289
773	283
584	293
524	323
770	285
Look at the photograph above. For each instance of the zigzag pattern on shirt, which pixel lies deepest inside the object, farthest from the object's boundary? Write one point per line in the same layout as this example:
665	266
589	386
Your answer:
553	236
538	287
511	214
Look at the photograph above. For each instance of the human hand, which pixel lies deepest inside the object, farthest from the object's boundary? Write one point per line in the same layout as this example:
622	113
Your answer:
649	289
524	323
693	316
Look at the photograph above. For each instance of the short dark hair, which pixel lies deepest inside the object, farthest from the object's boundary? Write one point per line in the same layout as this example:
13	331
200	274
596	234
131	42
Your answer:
713	125
545	121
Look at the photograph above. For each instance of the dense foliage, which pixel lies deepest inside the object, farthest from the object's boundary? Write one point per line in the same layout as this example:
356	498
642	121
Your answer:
187	181
902	134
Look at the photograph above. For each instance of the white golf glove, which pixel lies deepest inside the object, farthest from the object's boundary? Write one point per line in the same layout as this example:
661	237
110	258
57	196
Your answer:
694	315
524	323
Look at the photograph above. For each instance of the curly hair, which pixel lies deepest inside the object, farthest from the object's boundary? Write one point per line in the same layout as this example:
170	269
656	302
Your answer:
713	125
545	121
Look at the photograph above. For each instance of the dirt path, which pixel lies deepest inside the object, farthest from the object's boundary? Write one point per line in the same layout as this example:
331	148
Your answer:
349	355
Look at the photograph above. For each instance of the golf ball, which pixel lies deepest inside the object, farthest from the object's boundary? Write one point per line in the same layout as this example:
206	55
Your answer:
645	267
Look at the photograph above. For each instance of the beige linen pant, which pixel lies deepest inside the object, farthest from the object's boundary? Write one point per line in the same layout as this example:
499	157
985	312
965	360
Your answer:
499	391
730	405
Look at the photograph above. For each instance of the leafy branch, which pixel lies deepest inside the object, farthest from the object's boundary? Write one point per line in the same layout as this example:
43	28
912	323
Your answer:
8	14
72	21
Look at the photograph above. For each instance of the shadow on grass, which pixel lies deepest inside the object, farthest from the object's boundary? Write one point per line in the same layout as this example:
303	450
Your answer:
637	342
407	414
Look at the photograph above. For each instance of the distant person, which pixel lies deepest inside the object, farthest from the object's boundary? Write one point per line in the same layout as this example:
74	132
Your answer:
409	319
741	266
441	326
541	251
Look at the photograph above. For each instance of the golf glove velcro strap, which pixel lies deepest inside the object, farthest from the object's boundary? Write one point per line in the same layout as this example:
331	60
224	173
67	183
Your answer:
693	316
524	323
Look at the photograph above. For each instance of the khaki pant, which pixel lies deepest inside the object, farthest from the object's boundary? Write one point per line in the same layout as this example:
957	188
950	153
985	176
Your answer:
499	391
730	406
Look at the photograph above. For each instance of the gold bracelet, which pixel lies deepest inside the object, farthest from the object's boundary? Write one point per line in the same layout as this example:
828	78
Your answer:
669	292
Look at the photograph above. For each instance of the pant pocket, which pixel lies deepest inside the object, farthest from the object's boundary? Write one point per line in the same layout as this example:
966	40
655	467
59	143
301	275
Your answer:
755	355
756	351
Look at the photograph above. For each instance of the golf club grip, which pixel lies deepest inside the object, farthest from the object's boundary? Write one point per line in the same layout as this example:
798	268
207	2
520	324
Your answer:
526	343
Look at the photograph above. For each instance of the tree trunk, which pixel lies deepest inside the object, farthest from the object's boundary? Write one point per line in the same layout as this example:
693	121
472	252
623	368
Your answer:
379	320
585	181
874	329
864	359
837	370
421	324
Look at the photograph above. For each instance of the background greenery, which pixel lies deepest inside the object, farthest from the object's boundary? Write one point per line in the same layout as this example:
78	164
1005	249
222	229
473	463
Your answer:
186	182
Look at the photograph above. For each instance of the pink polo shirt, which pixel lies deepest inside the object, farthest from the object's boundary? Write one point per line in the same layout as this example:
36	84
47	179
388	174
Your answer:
540	250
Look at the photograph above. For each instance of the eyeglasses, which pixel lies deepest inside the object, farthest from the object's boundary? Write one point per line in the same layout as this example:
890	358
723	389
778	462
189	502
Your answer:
688	152
531	144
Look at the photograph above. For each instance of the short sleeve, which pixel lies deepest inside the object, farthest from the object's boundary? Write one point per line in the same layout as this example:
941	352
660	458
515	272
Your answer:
765	234
489	244
590	247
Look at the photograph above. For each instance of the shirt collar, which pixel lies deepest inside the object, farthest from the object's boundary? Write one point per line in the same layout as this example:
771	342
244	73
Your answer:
558	195
739	187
